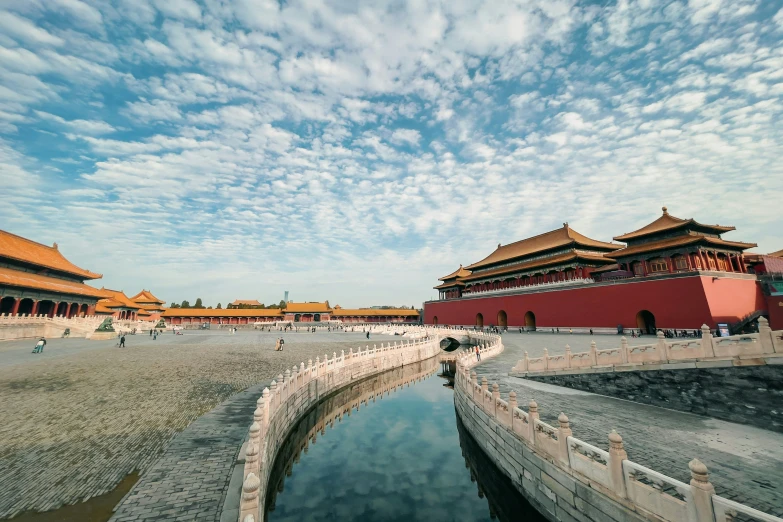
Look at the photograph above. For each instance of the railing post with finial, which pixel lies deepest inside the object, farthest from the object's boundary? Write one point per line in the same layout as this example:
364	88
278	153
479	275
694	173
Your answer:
624	350
568	356
660	347
532	408
249	501
617	455
702	491
495	397
706	341
563	432
512	404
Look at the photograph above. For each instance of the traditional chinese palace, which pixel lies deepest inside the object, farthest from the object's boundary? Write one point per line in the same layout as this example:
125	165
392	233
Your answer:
306	313
37	279
672	273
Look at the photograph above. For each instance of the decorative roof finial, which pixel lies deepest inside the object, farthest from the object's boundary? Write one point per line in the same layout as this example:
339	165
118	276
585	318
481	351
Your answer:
498	245
665	210
54	246
565	225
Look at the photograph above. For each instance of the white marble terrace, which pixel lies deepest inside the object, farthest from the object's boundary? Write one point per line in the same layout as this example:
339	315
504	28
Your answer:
651	494
744	350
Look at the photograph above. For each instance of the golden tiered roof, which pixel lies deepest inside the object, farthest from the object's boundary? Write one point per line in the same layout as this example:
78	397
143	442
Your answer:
249	302
19	278
572	255
25	250
674	242
146	297
560	237
115	299
460	272
668	222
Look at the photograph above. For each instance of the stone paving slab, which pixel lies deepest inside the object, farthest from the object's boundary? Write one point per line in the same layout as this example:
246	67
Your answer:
745	463
84	414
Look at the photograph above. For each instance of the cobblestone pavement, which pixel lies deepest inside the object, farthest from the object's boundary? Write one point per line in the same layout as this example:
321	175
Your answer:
745	463
79	417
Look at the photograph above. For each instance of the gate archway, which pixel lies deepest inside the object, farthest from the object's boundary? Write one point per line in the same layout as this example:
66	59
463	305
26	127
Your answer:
7	305
502	319
645	321
435	320
530	321
480	320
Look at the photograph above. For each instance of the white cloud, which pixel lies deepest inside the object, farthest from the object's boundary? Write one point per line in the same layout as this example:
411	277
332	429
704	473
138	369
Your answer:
182	9
406	136
89	127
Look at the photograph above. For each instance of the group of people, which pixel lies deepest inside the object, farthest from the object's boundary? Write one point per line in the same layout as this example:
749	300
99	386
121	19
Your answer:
279	344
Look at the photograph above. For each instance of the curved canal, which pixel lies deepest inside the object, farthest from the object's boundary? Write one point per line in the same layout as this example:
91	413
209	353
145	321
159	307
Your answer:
389	448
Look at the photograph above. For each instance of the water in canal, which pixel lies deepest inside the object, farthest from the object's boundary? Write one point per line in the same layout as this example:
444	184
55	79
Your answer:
402	456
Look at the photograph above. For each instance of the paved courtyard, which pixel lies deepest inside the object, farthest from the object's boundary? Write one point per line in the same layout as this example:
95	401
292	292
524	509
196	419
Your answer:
84	414
745	463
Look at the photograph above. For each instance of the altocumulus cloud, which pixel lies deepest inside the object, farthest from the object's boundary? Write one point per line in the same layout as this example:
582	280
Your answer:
356	152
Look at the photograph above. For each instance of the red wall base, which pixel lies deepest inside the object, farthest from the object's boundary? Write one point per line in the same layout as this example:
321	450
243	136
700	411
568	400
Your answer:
683	302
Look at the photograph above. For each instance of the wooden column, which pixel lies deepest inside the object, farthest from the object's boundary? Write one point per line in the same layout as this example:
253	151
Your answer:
15	308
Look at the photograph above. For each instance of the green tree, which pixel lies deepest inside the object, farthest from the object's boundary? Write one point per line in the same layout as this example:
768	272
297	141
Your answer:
174	305
198	304
282	304
185	304
218	307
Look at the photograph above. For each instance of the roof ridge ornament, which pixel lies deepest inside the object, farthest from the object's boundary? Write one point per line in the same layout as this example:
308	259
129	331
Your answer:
665	210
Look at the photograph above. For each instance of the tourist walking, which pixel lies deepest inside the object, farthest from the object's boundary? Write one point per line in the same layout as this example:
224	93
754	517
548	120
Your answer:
122	341
282	342
39	346
277	344
478	353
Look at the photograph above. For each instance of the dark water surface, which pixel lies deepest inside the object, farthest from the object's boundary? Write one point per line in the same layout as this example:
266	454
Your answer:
399	458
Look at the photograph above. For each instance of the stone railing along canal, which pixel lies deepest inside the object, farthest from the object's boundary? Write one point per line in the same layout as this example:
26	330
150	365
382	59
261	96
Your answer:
289	397
565	477
705	352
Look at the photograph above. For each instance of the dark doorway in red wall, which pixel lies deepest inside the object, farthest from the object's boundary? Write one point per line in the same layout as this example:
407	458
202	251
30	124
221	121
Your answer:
530	321
480	320
645	321
435	320
502	319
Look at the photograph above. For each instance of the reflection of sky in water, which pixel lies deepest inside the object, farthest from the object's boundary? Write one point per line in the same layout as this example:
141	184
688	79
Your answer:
397	459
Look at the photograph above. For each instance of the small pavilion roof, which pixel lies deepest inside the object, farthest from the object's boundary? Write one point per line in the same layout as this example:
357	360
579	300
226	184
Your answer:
460	272
779	253
556	238
249	302
116	299
674	242
669	222
572	255
21	249
146	297
449	285
19	278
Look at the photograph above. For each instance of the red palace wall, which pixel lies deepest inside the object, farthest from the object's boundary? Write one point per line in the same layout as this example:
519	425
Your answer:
682	302
775	303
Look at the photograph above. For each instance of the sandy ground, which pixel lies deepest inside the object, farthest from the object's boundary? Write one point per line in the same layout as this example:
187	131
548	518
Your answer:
84	414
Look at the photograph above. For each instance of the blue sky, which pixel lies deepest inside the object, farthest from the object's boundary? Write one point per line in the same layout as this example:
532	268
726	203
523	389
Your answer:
357	151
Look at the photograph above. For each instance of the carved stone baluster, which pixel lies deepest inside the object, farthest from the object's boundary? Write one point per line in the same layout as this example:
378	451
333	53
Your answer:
532	417
702	491
563	432
617	455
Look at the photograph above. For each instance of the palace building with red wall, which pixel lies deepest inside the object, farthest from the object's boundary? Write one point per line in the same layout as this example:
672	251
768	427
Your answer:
673	273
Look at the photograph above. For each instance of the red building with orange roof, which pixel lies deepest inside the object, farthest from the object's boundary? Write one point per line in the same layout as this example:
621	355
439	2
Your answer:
672	273
36	279
148	303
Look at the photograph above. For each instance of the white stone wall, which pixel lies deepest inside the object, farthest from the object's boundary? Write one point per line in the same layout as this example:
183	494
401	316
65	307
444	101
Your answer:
568	479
